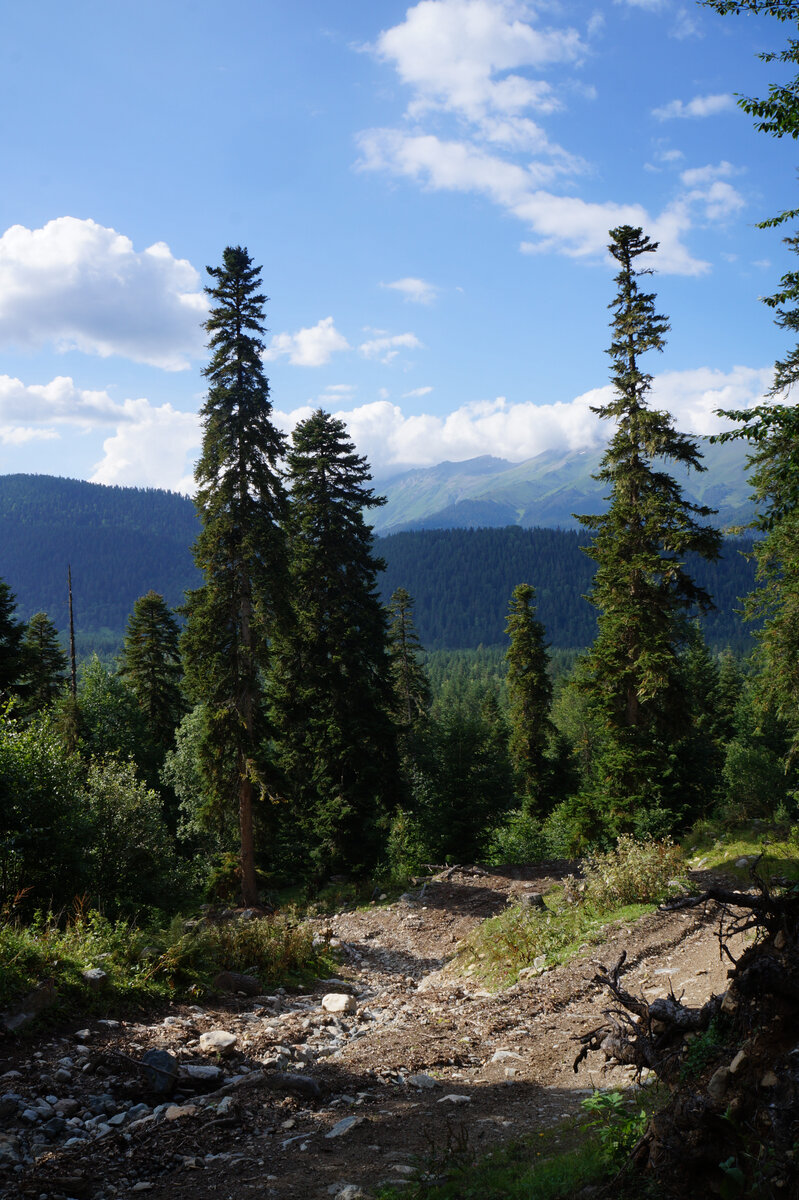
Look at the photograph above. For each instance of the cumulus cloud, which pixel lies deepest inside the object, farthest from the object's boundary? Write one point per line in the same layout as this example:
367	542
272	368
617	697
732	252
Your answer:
566	224
464	57
709	190
411	288
394	441
150	444
80	285
386	348
700	106
311	347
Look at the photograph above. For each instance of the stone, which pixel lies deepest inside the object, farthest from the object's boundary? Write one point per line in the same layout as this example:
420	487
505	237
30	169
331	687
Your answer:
532	900
160	1071
217	1041
9	1103
95	977
346	1191
717	1086
769	1080
454	1098
176	1111
67	1107
780	940
201	1072
338	1002
344	1126
737	1062
729	1003
505	1055
62	1075
422	1081
340	986
9	1149
232	981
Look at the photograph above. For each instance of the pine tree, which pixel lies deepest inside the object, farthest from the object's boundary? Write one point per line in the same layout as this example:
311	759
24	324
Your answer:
241	504
409	679
641	588
529	694
150	664
11	631
45	664
331	687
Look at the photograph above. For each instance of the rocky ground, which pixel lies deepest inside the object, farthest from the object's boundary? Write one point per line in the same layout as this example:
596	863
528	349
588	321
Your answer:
323	1093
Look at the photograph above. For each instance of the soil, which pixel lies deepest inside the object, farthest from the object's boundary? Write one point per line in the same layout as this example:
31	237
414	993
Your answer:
413	1018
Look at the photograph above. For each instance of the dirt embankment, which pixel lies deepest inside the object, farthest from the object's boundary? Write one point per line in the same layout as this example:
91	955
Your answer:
414	1052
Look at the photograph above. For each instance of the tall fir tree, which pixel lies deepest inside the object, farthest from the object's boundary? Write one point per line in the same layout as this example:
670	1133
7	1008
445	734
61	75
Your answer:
11	633
240	550
412	694
331	685
150	664
45	664
641	587
529	695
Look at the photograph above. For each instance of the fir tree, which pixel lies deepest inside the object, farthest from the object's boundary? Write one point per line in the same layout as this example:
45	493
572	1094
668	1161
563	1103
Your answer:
45	664
240	501
409	679
529	694
332	690
641	588
11	653
150	664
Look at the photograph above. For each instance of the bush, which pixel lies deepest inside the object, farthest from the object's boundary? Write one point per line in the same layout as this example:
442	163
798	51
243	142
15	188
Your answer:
519	840
635	872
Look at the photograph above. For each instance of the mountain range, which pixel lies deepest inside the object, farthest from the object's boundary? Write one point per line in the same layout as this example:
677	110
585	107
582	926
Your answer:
545	491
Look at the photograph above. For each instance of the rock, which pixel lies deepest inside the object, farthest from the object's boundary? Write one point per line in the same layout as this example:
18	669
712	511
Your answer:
9	1103
346	1191
717	1085
9	1149
532	900
95	977
201	1073
338	1002
729	1003
505	1055
231	981
217	1041
67	1107
454	1098
176	1111
344	1126
40	998
83	1035
339	986
422	1081
296	1085
62	1075
769	1080
737	1062
780	940
160	1071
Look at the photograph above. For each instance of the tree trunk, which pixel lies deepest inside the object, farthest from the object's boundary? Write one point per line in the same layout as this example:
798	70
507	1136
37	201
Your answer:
249	883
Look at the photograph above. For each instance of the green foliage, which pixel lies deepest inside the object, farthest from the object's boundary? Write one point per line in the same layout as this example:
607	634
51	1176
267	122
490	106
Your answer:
408	677
331	690
109	719
240	550
150	664
701	1051
641	588
11	653
529	695
633	872
44	664
616	1127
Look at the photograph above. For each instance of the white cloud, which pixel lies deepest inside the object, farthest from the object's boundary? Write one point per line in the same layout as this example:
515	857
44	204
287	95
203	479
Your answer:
82	286
18	435
700	106
311	347
417	290
420	391
156	447
387	348
463	57
565	224
394	441
698	176
709	190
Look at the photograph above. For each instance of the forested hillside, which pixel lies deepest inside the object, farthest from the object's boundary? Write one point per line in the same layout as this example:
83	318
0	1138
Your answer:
121	542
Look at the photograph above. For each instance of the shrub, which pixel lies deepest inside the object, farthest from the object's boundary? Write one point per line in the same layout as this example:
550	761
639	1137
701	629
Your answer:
634	872
518	840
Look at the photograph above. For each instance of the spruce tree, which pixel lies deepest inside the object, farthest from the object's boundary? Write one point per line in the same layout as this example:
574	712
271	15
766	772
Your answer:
408	677
241	505
331	687
11	653
641	587
529	694
45	664
150	664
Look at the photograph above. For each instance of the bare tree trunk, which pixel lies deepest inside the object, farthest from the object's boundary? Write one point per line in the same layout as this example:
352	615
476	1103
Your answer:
249	883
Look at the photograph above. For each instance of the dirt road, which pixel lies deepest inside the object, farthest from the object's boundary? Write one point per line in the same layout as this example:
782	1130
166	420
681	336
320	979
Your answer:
422	1056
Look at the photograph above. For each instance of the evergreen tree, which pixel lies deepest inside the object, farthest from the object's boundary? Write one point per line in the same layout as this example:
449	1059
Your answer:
241	504
332	690
641	587
412	694
150	664
11	653
45	664
529	694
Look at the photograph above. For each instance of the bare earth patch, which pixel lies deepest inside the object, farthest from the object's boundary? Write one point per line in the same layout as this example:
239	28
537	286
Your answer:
498	1065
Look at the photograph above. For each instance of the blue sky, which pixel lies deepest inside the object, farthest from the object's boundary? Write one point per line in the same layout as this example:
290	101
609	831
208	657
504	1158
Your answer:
428	189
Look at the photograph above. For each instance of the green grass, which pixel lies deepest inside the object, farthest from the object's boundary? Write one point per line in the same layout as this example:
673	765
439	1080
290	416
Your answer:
148	965
555	1164
718	846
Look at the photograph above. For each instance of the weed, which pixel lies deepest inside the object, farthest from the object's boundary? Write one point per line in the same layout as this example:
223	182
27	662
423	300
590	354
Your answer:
636	871
616	1127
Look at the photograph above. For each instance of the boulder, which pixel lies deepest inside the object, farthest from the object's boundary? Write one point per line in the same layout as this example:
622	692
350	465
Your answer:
231	981
338	1002
160	1071
217	1041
